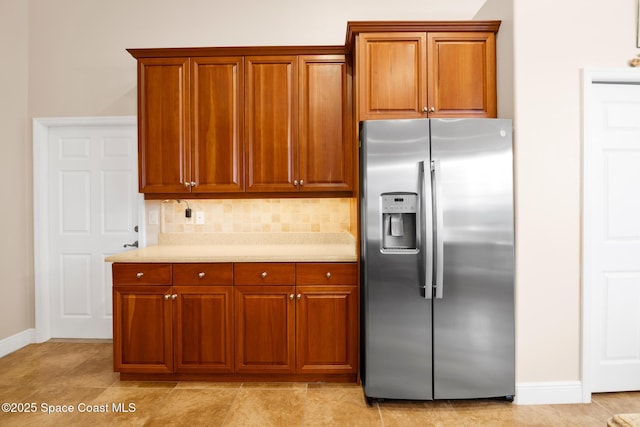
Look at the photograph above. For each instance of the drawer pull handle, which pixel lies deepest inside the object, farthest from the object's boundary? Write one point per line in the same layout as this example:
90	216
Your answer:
201	275
264	274
328	275
139	275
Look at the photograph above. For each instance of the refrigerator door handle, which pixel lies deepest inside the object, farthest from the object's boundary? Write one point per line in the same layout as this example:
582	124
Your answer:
426	209
439	227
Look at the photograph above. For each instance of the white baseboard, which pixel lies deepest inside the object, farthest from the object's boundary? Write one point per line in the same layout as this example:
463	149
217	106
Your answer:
17	341
546	393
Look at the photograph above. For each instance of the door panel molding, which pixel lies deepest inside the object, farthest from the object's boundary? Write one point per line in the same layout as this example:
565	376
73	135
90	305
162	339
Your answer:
41	227
591	81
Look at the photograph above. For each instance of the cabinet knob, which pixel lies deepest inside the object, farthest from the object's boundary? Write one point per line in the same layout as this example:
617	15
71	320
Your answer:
174	296
264	274
187	184
295	182
167	297
291	297
301	182
328	275
298	297
201	275
139	275
193	183
428	110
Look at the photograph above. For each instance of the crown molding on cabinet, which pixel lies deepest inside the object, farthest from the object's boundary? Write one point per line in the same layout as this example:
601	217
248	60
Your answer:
356	27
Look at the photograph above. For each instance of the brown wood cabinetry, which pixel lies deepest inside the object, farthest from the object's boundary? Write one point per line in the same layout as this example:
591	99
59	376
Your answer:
163	124
142	318
326	318
203	318
217	117
265	317
424	69
271	123
326	150
236	321
255	122
190	124
172	318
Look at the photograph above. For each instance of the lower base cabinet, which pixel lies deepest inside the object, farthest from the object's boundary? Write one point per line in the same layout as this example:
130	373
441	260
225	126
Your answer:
284	321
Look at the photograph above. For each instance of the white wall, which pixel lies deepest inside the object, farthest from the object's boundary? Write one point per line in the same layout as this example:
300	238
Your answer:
553	42
77	66
16	241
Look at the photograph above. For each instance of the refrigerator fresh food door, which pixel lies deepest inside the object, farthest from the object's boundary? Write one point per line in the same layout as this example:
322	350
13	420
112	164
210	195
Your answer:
396	204
473	311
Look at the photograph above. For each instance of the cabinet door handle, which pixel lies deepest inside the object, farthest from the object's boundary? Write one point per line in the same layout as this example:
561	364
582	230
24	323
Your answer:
167	297
328	275
291	297
187	184
428	110
174	296
301	182
264	274
201	274
139	275
193	184
295	182
298	297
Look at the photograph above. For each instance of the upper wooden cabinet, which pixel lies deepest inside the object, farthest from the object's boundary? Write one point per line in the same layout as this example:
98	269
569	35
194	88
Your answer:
424	69
217	111
271	123
190	124
163	124
232	120
325	151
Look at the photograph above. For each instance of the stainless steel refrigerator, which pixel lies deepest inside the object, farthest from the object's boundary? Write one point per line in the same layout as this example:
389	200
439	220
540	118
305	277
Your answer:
437	259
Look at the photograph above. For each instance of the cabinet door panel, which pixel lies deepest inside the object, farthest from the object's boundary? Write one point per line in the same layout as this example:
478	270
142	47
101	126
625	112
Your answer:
392	75
271	123
265	329
325	124
142	329
217	111
462	74
163	114
203	328
326	320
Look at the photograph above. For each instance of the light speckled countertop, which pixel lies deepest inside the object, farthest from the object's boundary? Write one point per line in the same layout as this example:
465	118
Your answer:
245	247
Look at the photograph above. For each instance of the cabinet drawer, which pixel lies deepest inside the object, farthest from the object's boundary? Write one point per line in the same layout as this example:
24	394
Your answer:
203	274
264	273
326	274
141	274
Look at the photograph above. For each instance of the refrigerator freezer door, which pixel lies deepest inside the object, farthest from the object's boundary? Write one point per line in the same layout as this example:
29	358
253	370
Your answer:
473	322
397	318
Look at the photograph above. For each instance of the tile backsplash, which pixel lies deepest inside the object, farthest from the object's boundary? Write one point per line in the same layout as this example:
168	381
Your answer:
323	215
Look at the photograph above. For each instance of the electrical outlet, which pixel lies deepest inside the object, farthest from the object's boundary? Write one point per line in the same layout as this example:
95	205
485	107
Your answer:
199	217
153	218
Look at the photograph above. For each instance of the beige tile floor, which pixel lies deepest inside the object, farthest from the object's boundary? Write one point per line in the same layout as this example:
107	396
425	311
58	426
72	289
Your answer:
63	374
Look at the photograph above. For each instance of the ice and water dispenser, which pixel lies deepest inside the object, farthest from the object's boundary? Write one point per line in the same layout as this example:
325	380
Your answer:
399	221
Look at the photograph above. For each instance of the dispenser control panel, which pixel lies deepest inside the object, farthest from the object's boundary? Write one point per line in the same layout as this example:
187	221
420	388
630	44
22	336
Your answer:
399	203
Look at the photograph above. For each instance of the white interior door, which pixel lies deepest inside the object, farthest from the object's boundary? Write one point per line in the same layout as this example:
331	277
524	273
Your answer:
612	234
92	193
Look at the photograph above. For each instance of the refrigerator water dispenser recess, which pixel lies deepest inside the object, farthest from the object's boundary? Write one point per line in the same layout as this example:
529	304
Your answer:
399	221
